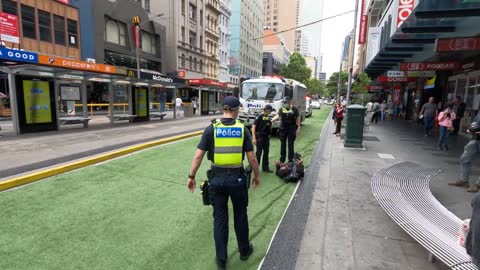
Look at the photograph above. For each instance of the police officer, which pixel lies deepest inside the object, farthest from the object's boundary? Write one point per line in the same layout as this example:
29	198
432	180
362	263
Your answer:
289	128
227	141
261	130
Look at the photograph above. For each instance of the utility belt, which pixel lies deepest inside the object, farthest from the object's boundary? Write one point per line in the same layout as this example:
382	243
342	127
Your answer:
262	134
219	171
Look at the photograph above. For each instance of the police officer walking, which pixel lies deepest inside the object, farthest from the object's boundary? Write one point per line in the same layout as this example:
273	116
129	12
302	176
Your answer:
226	142
261	130
290	122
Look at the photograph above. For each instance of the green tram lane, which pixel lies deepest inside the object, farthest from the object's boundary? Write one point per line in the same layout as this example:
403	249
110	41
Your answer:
135	212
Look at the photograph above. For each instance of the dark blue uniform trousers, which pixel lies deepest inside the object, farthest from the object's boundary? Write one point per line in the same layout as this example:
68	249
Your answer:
221	188
287	134
263	145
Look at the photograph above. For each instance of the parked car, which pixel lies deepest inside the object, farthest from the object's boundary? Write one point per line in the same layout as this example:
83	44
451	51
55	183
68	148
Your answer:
315	104
329	102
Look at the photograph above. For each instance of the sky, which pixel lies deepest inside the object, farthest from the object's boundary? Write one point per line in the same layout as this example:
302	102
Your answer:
327	37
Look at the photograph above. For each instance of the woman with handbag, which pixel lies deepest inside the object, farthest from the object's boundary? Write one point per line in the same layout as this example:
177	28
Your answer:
445	121
339	113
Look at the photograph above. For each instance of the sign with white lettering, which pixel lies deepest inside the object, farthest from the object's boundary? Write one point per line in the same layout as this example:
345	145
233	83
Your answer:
405	8
233	132
430	66
395	73
9	28
18	56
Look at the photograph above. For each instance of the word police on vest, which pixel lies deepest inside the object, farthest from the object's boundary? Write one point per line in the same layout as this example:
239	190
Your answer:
234	132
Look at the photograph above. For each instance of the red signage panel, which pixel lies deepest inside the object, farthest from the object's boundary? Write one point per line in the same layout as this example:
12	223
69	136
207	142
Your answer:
430	66
215	83
385	79
375	87
196	82
397	94
405	8
9	28
362	33
457	44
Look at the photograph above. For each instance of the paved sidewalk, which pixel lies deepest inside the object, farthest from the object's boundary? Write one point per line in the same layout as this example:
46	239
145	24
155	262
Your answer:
30	152
344	227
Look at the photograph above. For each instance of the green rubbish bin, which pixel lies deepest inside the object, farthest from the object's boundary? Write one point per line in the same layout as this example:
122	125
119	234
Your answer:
354	128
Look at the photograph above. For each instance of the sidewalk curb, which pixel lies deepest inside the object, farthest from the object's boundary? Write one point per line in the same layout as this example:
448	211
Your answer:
29	178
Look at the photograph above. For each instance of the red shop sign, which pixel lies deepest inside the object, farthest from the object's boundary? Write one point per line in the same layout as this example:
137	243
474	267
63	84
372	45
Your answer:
215	83
9	28
430	66
385	79
405	8
196	82
457	44
397	92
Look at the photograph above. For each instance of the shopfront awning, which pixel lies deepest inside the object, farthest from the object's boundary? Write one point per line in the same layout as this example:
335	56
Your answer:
415	40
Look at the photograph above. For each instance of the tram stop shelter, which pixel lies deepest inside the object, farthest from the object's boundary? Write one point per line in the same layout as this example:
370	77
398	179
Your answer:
48	92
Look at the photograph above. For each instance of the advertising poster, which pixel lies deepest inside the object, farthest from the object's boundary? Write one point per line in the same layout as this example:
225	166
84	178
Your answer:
141	102
36	95
9	28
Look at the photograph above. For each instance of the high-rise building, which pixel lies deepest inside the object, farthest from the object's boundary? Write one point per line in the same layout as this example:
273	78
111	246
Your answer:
224	48
186	30
246	42
278	16
302	43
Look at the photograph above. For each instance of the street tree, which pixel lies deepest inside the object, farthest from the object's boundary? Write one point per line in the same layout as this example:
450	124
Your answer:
332	84
361	83
315	87
296	69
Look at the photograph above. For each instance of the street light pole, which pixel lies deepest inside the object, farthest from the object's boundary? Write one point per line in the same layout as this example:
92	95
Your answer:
339	81
352	53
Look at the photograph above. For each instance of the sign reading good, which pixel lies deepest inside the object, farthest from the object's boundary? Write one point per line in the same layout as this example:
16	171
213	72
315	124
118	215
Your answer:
430	66
457	44
385	79
395	73
405	8
9	28
18	56
75	64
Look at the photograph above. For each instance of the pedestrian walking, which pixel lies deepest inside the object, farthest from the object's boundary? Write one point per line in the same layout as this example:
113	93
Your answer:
194	104
376	112
445	120
339	113
390	106
226	142
459	109
261	130
369	113
383	110
470	152
472	243
178	105
290	122
428	114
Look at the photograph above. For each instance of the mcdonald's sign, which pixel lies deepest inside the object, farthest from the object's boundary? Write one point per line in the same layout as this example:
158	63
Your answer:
131	73
136	20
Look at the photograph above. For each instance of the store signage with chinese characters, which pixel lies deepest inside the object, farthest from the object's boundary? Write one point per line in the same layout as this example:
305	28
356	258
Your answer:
9	28
385	79
430	66
75	64
395	73
405	8
457	44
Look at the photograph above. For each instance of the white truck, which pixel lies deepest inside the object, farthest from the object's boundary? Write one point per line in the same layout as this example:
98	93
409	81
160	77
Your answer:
255	93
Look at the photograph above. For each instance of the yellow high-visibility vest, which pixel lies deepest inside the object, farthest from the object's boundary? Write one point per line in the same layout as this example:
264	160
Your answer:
228	144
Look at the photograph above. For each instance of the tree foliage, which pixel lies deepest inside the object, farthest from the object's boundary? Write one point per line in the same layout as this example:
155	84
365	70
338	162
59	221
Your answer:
315	87
296	69
360	85
332	84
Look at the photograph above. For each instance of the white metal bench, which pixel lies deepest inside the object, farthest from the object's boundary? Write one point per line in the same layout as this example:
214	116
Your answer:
123	117
403	191
160	115
72	120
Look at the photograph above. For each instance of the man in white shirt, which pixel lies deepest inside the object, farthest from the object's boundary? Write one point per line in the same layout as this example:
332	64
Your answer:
178	105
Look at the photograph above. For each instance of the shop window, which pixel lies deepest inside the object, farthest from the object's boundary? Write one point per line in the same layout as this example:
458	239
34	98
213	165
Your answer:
115	32
72	27
45	26
59	29
9	6
28	22
201	17
149	43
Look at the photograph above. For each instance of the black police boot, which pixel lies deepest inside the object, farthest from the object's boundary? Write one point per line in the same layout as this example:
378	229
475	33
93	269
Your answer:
246	256
221	264
267	170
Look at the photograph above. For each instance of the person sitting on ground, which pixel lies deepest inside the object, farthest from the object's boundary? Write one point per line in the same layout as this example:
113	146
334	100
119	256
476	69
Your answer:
291	171
472	243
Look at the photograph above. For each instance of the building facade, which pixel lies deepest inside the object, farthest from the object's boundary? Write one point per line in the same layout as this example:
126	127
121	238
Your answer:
246	43
278	16
212	38
46	26
224	44
275	53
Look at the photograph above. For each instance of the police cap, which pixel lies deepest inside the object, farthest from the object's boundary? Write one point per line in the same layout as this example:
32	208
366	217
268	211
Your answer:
231	103
287	99
268	107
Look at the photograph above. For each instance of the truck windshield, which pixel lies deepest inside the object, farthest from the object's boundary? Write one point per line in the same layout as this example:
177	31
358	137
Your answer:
262	91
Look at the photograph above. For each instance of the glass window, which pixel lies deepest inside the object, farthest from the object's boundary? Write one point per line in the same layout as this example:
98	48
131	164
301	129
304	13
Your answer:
183	7
193	38
183	34
28	22
45	26
190	62
193	12
183	60
201	17
201	65
115	32
470	92
262	91
59	28
195	63
10	7
148	43
72	27
462	83
147	5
